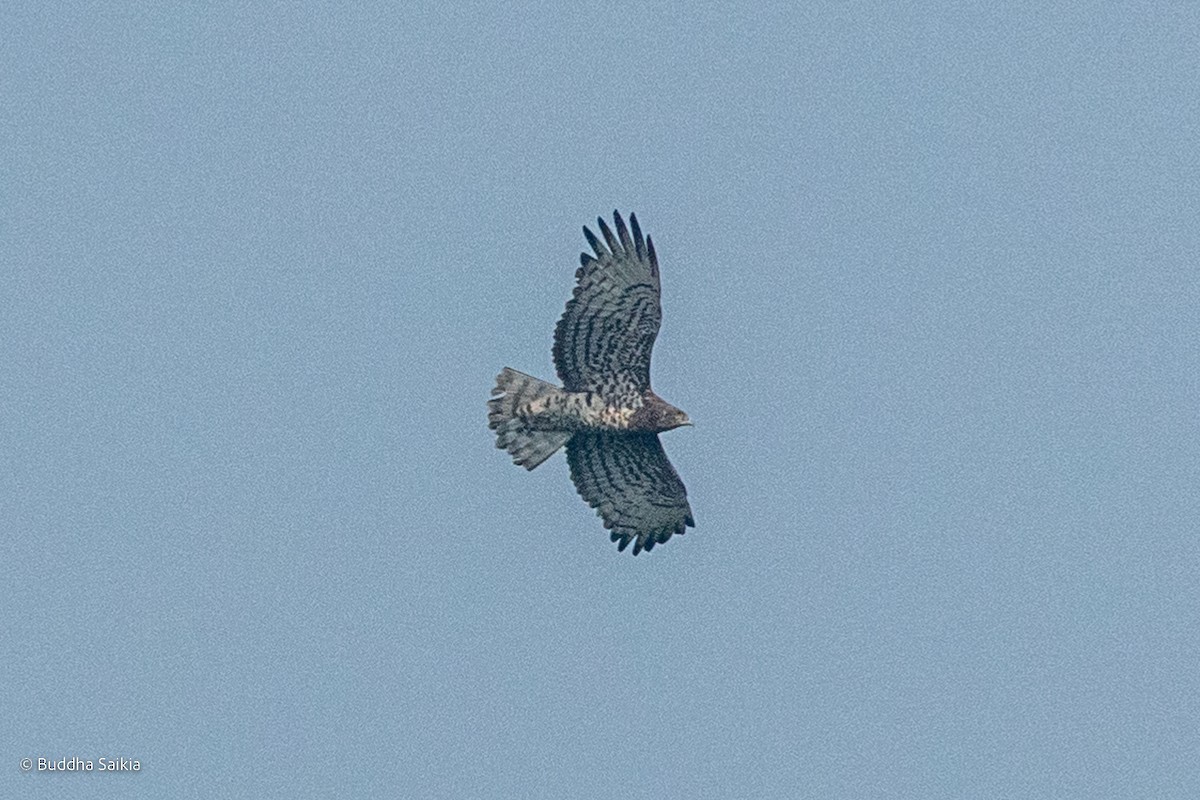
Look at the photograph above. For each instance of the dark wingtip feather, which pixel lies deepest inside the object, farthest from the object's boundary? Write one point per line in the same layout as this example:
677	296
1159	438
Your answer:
653	256
638	241
608	236
623	232
594	242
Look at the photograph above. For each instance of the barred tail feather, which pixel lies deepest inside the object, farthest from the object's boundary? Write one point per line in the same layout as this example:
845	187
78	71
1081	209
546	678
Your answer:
515	390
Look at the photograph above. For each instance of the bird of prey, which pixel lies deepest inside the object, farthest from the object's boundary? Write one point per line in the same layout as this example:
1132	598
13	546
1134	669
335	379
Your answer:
605	413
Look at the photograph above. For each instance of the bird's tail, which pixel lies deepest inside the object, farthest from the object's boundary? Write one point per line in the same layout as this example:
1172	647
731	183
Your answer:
513	396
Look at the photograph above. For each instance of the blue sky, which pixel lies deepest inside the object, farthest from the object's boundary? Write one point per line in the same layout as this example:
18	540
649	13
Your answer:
930	296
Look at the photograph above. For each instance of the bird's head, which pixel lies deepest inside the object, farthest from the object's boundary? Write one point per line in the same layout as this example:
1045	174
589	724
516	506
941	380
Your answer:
670	417
678	419
657	415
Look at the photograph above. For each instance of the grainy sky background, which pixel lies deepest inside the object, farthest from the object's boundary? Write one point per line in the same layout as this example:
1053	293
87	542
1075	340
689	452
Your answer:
932	297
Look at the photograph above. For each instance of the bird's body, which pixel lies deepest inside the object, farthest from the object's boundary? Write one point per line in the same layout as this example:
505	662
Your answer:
605	413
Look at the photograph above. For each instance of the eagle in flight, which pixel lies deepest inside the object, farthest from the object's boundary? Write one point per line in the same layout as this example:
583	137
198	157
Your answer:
605	413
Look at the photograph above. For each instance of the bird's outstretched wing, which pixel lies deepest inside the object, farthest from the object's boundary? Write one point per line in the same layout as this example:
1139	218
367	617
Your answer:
631	484
603	341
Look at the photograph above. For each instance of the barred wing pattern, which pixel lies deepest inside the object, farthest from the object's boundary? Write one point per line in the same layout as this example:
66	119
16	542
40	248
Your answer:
603	341
631	484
